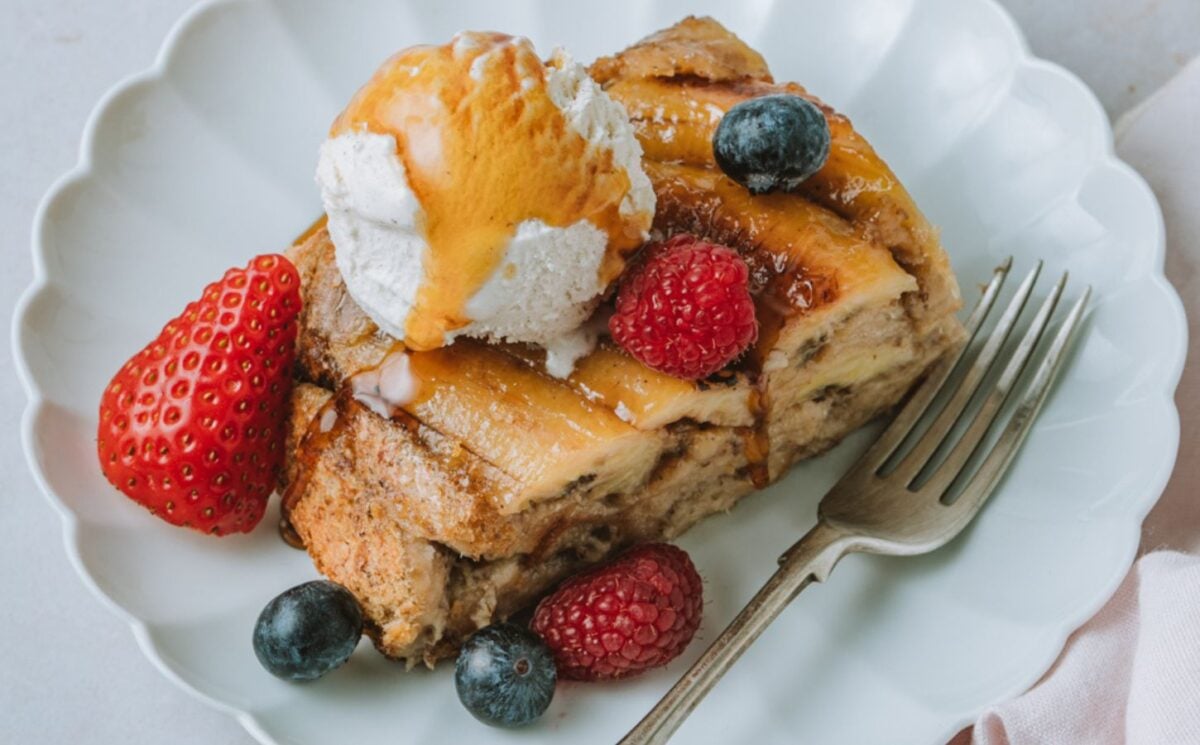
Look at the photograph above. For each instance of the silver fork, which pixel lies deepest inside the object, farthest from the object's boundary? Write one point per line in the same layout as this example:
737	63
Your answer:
901	508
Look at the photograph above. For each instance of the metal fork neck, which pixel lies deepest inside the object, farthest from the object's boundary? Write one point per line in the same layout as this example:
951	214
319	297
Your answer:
811	558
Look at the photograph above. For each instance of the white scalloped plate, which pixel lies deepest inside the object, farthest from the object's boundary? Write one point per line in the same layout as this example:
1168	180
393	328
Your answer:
207	159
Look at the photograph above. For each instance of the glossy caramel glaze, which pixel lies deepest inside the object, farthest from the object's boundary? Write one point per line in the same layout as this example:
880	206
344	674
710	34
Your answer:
676	119
485	148
803	258
646	398
675	101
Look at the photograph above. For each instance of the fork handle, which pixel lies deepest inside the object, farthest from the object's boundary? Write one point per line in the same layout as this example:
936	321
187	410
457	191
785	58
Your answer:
811	558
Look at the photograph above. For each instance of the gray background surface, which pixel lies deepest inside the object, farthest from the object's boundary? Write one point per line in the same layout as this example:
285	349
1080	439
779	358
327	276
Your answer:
70	671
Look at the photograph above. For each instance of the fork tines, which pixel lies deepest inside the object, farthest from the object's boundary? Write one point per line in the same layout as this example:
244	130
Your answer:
921	470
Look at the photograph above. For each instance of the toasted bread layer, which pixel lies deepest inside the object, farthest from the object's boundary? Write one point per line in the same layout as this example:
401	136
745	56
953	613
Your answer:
497	479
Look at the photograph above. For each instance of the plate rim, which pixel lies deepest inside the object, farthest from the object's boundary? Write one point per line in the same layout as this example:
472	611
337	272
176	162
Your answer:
22	334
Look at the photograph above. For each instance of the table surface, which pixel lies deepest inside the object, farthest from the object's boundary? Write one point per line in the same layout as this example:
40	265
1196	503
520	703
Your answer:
71	671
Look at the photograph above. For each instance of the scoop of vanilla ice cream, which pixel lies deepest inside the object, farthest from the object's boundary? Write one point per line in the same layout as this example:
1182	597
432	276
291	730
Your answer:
549	279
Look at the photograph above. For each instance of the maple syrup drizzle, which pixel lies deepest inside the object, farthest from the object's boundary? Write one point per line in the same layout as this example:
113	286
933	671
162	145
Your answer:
485	148
756	440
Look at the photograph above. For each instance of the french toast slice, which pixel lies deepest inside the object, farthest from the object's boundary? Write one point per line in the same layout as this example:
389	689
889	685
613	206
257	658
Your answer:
466	503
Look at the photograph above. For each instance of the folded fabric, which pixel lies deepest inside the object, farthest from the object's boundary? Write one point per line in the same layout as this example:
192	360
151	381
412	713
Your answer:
1130	675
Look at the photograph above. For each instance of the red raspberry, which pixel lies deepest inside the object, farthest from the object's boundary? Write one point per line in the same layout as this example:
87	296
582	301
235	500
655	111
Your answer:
686	309
637	612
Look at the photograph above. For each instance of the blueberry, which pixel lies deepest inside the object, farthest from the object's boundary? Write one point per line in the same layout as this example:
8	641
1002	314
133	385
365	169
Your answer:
308	630
772	142
505	675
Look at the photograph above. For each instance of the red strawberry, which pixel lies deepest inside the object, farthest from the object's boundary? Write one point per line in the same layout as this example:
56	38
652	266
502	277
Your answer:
686	308
191	426
638	612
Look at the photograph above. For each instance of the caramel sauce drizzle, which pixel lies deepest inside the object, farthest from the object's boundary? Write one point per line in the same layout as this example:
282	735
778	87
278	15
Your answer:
756	440
485	148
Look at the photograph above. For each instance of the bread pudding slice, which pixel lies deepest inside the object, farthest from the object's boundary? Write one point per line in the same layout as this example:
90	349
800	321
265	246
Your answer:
464	504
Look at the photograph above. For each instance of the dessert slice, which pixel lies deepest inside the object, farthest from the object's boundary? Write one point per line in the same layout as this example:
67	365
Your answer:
452	486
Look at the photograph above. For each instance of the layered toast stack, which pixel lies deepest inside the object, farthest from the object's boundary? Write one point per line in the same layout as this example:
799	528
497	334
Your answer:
468	502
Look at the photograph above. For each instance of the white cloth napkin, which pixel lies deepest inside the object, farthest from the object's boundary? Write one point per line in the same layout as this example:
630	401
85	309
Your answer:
1132	673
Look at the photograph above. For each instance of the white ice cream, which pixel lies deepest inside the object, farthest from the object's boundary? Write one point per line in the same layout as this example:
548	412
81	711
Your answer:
548	281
